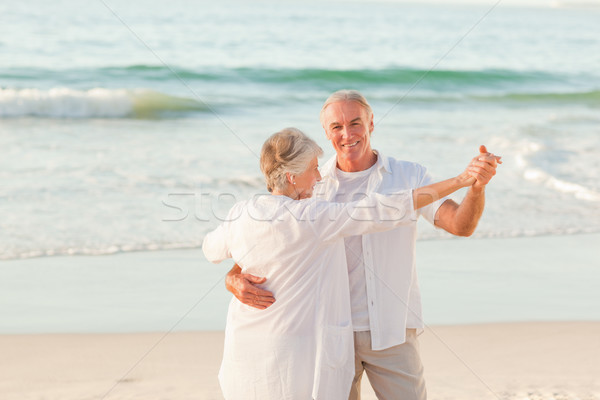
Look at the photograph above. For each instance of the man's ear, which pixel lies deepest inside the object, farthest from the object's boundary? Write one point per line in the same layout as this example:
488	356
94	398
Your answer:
371	124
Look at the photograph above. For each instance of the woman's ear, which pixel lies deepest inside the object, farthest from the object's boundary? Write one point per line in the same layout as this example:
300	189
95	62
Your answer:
290	178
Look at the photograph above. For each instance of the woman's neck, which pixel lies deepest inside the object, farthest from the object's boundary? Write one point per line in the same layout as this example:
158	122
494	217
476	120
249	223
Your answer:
289	192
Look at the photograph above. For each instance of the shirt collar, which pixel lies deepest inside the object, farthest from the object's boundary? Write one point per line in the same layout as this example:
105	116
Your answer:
382	165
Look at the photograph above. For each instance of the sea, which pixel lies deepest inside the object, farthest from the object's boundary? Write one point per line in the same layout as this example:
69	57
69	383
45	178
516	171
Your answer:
130	126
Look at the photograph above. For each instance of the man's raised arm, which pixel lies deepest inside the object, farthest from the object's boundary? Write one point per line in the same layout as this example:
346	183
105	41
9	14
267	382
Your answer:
462	219
243	287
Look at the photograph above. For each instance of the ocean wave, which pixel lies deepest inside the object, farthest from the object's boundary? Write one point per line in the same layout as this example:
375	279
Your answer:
503	98
580	192
586	97
99	251
29	94
40	92
540	176
373	76
395	76
93	103
318	76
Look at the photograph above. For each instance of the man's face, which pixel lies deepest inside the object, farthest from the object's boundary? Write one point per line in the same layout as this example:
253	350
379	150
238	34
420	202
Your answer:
349	127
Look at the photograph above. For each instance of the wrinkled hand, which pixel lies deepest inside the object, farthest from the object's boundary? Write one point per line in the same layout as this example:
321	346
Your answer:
483	167
243	287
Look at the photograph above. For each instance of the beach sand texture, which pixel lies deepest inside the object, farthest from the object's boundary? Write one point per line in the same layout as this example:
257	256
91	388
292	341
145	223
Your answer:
520	361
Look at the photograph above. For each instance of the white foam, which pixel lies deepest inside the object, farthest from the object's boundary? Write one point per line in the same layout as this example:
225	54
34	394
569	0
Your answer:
66	103
539	176
16	254
580	192
93	103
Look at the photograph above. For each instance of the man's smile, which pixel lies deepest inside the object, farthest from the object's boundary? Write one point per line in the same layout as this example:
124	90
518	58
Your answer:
351	144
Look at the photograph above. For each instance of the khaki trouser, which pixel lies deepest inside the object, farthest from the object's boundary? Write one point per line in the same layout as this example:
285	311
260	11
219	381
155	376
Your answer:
395	373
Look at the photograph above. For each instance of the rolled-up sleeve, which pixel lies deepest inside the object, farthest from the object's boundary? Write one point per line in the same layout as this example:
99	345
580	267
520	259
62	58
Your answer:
429	212
215	246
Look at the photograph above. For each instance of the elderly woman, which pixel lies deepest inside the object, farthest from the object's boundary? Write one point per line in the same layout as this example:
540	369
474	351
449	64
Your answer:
302	346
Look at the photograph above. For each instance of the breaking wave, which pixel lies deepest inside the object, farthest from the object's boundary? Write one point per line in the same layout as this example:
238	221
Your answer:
93	103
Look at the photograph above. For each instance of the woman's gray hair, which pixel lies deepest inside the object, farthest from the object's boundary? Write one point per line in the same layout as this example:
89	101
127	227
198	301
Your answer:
346	95
289	150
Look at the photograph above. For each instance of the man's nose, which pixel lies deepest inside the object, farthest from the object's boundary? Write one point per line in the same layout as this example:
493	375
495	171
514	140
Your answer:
318	176
345	132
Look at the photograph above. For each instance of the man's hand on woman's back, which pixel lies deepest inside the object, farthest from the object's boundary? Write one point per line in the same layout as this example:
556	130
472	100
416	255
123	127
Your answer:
243	287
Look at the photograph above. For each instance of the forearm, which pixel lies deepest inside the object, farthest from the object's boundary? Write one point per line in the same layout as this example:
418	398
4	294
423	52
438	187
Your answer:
469	211
426	195
461	219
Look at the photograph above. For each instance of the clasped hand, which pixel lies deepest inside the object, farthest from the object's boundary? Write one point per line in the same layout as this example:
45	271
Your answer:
483	167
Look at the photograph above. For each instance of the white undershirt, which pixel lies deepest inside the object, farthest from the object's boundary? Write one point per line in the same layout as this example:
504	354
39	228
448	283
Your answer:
352	187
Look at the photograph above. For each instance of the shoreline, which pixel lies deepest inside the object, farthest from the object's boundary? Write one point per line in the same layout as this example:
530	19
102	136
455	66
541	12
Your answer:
445	237
462	281
508	361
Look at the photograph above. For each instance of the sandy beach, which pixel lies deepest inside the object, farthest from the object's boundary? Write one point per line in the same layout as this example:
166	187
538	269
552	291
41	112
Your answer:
520	361
99	301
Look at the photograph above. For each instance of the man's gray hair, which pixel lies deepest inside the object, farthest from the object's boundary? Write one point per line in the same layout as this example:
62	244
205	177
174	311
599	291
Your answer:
346	95
288	150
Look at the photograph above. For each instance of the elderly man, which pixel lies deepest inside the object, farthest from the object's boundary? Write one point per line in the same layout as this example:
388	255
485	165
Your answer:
385	296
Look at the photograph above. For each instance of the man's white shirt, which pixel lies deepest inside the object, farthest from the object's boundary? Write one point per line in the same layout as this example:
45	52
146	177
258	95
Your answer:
353	186
390	280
